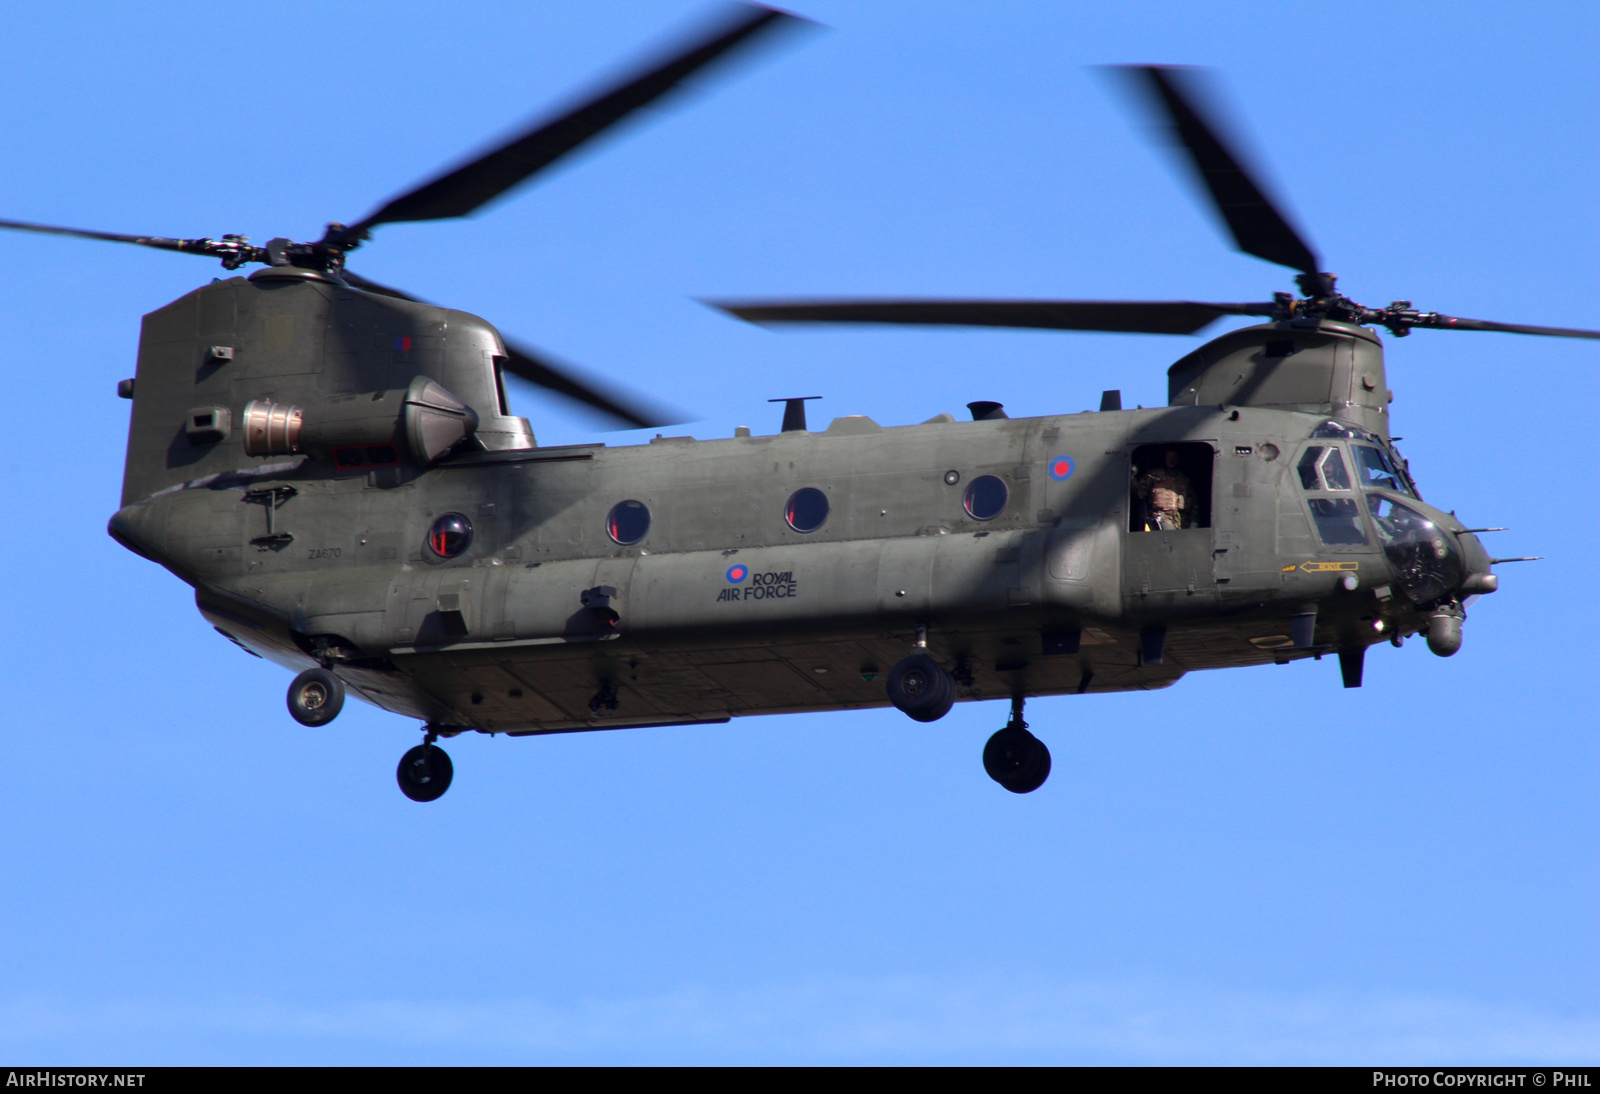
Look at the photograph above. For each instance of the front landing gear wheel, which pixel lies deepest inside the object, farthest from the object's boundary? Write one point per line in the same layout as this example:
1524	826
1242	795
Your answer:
425	773
1017	760
919	687
315	697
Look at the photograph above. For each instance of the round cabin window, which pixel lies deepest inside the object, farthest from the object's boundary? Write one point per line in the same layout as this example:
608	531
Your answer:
807	509
985	498
628	522
450	535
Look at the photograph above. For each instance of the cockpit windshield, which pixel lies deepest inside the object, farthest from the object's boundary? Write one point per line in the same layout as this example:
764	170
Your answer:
1425	560
1376	470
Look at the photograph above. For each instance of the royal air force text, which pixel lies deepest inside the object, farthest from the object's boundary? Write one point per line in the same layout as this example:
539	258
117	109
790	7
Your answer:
768	586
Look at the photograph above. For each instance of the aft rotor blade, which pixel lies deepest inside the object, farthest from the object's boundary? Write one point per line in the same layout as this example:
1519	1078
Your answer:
474	184
1257	226
540	370
1450	322
1139	317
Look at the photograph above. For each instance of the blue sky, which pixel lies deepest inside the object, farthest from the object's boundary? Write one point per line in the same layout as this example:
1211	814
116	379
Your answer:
1252	866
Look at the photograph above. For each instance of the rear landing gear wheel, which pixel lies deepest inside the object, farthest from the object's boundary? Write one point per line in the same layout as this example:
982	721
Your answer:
315	697
425	773
1015	758
921	689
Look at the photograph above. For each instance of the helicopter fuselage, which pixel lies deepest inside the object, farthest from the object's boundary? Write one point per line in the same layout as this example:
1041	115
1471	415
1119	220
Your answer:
546	614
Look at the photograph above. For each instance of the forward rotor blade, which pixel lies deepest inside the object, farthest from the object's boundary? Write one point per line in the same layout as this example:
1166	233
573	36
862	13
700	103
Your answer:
1257	226
161	243
1138	317
1450	322
541	371
472	185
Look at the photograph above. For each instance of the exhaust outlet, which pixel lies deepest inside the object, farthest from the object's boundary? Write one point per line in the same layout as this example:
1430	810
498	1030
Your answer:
271	429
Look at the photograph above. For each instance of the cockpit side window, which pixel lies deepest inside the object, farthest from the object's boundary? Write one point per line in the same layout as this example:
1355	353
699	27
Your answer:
1308	468
1333	471
1338	521
1323	471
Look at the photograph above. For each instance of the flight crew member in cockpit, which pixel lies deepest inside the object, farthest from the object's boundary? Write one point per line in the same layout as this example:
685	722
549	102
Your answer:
1165	490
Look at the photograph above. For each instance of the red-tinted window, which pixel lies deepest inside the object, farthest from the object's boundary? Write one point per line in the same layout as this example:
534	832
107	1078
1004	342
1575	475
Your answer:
628	522
450	535
986	497
807	509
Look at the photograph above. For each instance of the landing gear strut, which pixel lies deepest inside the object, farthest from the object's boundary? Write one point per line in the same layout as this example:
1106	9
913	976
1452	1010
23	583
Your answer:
1015	758
425	771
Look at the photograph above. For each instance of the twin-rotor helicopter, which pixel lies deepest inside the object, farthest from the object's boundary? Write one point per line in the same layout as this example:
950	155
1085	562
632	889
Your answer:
335	468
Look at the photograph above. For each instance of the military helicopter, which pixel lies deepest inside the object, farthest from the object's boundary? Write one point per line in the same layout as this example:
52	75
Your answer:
334	467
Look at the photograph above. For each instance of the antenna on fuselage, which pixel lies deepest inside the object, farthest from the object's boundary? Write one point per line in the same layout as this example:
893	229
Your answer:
794	412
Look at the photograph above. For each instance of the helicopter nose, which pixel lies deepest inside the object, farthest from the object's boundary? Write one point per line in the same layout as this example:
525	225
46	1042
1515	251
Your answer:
1443	628
1480	578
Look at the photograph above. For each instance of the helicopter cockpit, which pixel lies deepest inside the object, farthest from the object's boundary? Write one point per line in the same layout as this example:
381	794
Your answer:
1427	560
1377	462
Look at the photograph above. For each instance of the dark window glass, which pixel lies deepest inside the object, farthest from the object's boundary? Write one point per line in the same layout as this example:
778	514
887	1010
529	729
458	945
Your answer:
628	522
1375	469
1338	521
986	497
807	509
1308	468
1333	471
450	535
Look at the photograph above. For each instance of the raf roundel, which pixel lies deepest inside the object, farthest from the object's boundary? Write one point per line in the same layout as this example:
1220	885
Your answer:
737	574
1061	468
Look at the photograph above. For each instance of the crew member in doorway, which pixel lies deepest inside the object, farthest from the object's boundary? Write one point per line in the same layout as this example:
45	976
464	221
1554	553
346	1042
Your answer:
1166	491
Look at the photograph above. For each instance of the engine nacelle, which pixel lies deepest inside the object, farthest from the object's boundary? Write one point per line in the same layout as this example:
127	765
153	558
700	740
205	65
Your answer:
424	420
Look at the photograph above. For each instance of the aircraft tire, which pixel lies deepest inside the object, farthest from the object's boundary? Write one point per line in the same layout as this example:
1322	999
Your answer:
1017	760
424	773
921	689
316	697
